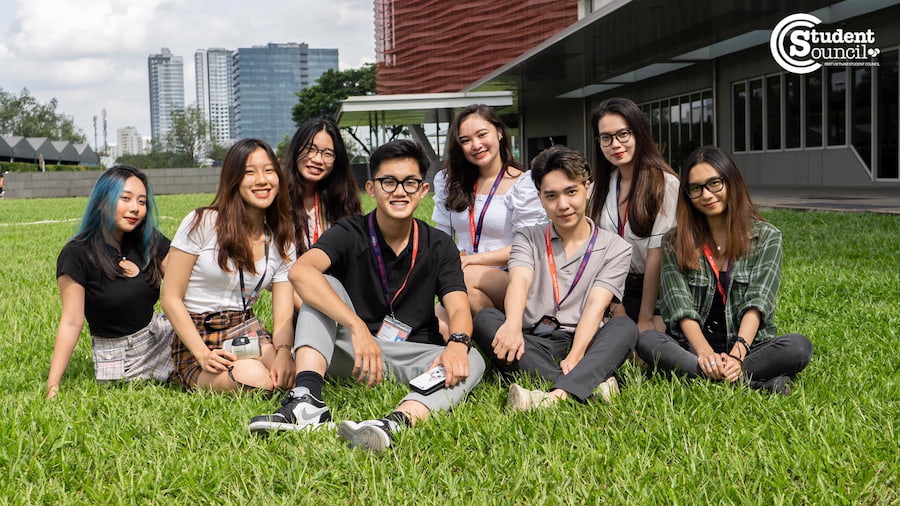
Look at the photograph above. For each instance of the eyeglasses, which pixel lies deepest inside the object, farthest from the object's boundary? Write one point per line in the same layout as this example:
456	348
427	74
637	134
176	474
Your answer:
311	151
714	185
606	139
389	184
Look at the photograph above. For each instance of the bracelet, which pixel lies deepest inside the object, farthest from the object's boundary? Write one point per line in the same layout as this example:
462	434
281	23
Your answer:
744	343
739	360
283	346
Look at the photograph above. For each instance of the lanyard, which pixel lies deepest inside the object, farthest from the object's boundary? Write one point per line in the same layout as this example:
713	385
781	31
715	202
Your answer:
475	232
621	223
315	234
379	260
712	263
552	264
248	301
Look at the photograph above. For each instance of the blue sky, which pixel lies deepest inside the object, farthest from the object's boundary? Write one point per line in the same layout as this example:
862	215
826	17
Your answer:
92	54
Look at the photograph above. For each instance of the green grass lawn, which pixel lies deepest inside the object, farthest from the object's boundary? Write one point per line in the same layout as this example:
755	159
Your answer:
834	440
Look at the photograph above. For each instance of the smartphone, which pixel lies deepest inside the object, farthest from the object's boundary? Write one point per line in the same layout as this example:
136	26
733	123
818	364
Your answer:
545	326
429	381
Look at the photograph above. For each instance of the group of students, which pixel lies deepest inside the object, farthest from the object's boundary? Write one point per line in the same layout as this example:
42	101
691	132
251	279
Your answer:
560	271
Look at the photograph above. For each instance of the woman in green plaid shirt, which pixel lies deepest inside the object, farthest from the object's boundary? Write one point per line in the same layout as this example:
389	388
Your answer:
720	276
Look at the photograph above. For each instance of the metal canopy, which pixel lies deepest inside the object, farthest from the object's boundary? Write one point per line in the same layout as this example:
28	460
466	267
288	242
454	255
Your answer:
414	109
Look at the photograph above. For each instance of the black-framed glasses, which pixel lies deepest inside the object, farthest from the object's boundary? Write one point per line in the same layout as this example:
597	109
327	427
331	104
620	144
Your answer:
714	185
622	136
389	184
311	151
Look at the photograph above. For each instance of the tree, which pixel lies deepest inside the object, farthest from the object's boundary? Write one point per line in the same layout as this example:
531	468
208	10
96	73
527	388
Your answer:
23	115
189	134
323	98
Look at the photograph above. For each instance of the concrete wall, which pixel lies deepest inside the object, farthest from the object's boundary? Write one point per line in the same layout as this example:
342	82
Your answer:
79	184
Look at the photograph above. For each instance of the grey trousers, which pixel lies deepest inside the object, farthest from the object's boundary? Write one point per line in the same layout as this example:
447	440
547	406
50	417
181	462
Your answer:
605	353
404	360
785	355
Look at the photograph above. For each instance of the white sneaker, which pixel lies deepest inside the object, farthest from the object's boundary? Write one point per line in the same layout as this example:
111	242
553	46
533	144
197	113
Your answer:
608	390
522	399
296	413
367	435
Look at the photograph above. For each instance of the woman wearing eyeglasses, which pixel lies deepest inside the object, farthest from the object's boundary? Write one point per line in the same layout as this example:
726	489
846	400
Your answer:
481	196
634	196
221	258
720	276
319	181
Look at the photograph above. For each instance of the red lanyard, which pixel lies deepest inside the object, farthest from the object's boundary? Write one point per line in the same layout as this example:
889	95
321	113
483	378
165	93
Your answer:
551	260
715	268
379	260
475	232
622	222
315	235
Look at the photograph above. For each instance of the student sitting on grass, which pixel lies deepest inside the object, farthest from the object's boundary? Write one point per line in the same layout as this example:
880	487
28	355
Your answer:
221	257
110	273
368	287
720	276
562	278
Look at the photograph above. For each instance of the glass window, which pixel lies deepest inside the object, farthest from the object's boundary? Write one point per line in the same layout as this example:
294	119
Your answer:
837	106
773	112
707	118
792	111
813	83
665	139
696	118
654	124
756	115
861	113
887	114
739	116
685	104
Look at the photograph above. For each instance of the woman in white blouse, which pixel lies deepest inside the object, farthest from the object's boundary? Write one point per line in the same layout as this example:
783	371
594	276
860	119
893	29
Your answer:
481	196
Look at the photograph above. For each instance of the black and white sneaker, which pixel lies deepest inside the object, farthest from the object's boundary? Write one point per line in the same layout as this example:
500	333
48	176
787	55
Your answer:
296	413
374	435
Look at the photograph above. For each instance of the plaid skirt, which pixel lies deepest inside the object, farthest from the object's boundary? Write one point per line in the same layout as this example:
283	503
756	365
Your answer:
213	328
146	354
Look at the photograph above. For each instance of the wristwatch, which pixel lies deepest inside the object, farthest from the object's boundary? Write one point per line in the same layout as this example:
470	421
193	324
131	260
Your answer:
460	337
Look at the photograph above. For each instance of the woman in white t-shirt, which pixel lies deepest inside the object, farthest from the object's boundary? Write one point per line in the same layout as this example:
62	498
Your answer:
221	257
481	196
635	193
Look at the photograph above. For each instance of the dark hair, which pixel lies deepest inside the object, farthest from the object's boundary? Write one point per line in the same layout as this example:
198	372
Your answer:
648	188
559	157
692	229
98	225
399	149
462	174
232	222
338	193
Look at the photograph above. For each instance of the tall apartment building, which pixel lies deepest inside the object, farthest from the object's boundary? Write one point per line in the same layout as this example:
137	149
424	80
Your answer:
215	91
266	79
433	46
166	75
129	142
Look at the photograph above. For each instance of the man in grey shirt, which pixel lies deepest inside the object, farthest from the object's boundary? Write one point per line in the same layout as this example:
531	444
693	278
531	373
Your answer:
562	278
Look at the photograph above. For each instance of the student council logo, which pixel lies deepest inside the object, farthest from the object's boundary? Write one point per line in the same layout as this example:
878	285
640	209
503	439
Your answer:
798	47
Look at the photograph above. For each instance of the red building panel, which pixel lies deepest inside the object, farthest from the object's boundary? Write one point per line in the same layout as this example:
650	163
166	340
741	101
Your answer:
433	46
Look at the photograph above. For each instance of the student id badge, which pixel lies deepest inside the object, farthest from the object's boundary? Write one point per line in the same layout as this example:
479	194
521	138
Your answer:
545	326
393	330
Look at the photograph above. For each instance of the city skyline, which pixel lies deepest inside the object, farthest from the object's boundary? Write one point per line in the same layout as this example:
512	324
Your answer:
97	59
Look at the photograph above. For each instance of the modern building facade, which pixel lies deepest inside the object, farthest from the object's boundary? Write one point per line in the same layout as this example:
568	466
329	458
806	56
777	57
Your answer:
215	91
129	142
266	80
166	76
433	46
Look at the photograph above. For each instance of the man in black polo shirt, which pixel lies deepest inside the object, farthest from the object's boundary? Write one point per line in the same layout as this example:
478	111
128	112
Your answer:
368	287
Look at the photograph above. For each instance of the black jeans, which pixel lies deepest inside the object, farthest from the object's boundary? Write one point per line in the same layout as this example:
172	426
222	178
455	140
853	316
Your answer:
785	355
604	354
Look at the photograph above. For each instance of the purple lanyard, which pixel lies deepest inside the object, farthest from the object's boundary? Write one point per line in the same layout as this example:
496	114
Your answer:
379	260
475	231
551	260
248	301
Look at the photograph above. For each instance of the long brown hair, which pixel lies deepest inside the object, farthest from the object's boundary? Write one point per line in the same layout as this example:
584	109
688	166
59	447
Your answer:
692	230
232	222
462	174
338	193
648	187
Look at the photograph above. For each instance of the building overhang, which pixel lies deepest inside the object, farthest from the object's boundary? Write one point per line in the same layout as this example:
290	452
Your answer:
414	109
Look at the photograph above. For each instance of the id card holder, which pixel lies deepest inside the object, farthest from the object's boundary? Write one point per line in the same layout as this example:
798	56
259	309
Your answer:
545	326
393	330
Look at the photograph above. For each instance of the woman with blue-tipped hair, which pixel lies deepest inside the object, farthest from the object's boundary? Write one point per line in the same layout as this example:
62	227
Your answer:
109	274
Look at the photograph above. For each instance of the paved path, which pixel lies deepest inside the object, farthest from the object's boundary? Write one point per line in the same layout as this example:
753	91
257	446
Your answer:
882	198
